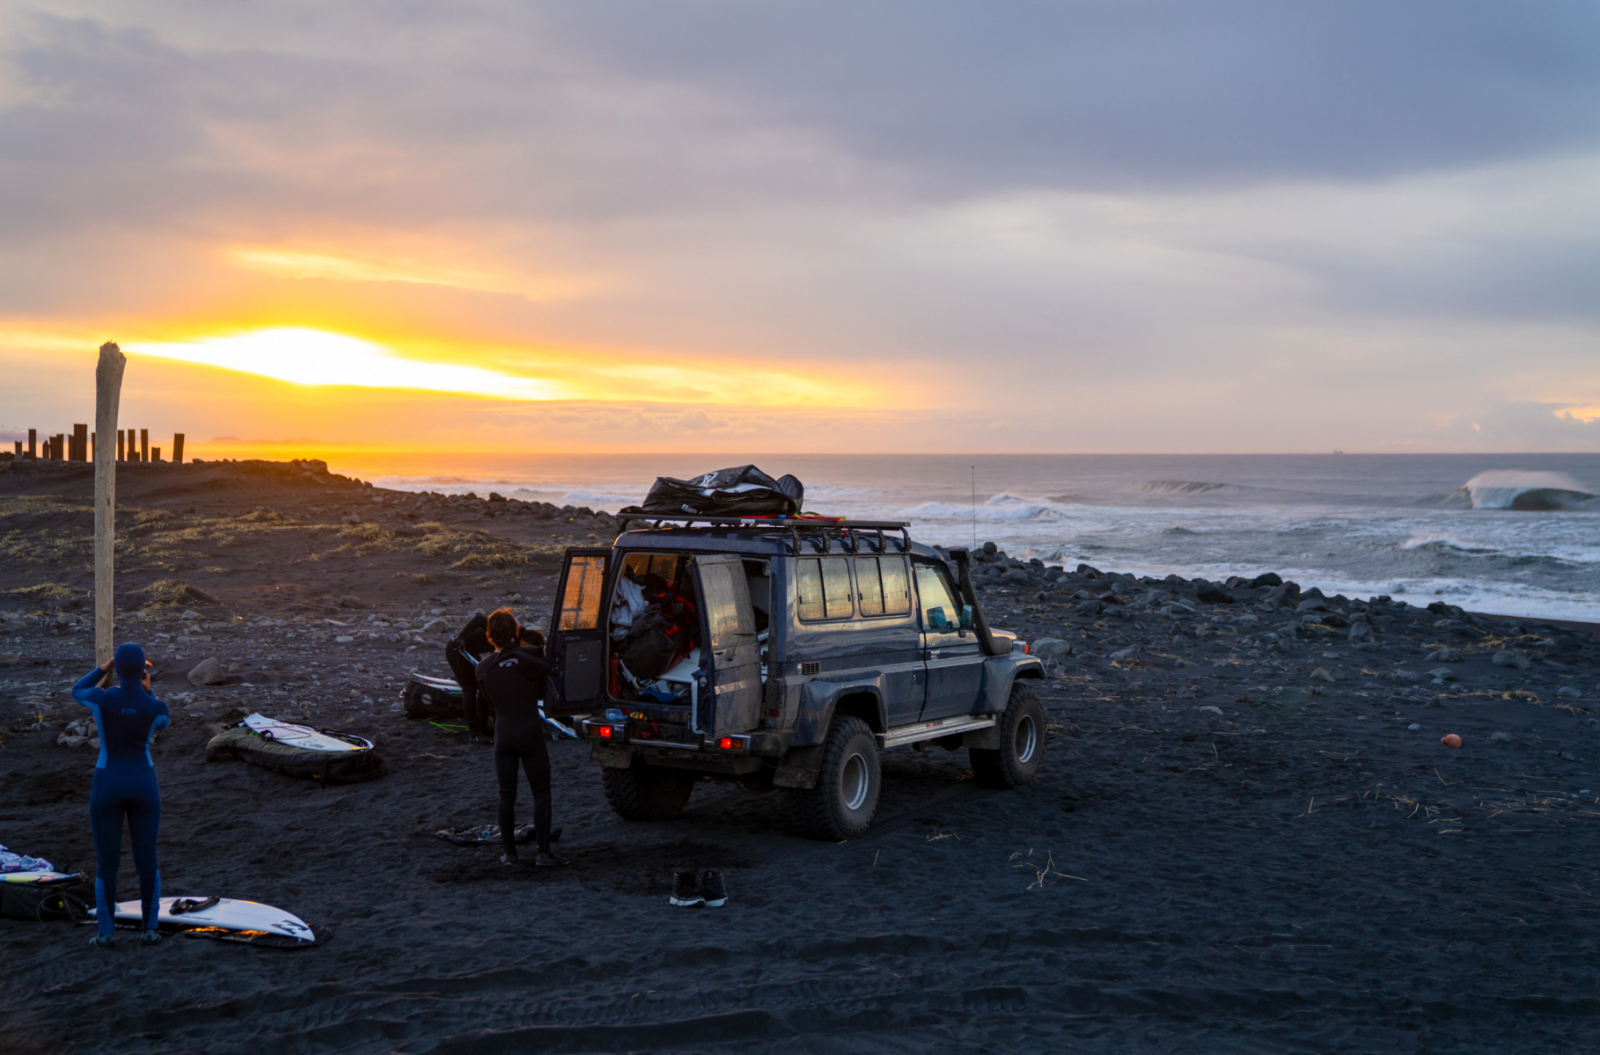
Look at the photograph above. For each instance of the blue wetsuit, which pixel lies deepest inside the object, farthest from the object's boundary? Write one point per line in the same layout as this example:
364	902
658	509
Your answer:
124	782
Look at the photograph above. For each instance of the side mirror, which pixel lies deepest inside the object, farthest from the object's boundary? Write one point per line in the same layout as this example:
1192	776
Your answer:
937	620
966	617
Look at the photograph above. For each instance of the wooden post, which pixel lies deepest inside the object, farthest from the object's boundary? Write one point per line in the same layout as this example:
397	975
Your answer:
108	399
94	446
155	454
144	445
58	446
19	447
120	438
80	443
177	448
33	439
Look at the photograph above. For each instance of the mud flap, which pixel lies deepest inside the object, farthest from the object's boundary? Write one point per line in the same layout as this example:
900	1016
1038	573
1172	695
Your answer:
799	768
609	755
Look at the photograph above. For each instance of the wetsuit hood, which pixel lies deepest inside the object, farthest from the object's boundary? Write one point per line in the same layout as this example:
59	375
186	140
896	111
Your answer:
129	664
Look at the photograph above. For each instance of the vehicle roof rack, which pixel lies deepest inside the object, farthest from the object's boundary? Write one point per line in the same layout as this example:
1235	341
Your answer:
819	531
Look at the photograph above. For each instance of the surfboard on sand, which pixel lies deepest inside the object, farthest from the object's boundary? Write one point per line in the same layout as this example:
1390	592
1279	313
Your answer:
227	919
39	878
303	736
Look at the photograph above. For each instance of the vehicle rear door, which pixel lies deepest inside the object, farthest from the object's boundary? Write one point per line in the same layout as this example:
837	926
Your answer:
576	646
729	701
953	655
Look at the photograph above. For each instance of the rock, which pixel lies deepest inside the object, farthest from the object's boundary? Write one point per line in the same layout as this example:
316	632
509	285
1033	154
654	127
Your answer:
990	549
1014	577
1211	593
495	497
348	601
190	614
1284	595
1500	738
1399	674
209	672
1048	648
1511	659
69	740
435	626
1212	708
94	743
1324	674
1312	604
1569	691
1437	701
343	639
1270	578
1360	631
1443	674
1445	655
1126	654
1413	727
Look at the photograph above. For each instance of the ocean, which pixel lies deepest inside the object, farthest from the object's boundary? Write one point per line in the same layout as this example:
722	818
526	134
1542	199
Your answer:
1511	534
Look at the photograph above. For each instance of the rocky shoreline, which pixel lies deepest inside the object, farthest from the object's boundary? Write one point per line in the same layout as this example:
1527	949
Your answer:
1246	833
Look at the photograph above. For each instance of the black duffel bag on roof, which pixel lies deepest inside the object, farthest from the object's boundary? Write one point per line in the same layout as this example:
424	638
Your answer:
744	491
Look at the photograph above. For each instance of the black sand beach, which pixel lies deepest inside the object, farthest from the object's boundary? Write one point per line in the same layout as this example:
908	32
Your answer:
1237	843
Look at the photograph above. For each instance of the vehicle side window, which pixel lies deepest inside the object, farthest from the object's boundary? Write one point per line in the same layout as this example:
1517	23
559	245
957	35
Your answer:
580	604
883	585
724	615
823	585
934	593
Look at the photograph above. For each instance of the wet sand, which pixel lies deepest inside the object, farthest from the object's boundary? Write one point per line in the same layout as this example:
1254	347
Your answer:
1224	851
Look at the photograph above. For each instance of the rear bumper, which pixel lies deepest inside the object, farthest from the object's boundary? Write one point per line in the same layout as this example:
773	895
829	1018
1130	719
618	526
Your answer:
632	736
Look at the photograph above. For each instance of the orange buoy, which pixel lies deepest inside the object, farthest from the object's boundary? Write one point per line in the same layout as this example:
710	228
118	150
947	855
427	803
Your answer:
1450	740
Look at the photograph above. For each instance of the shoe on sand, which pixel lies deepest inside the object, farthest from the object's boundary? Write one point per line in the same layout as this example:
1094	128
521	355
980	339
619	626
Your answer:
686	890
101	941
508	859
548	860
150	937
716	890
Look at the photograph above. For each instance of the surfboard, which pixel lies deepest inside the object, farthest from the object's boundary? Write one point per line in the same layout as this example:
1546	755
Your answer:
226	914
303	736
44	878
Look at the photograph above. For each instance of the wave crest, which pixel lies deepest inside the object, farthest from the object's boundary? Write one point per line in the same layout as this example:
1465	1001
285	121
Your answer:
1523	490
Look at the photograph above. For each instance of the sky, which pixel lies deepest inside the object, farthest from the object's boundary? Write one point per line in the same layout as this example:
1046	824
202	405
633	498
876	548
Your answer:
817	226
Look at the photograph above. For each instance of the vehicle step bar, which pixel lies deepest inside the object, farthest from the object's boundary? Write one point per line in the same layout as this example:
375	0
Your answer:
910	734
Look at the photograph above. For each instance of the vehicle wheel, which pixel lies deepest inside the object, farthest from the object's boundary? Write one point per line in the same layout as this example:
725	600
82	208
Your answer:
643	792
1021	729
846	796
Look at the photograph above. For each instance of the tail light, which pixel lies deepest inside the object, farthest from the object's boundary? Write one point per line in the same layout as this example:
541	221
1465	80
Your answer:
733	743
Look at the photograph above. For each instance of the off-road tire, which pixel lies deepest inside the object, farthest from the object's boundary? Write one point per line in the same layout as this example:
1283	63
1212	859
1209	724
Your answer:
846	796
643	792
1021	731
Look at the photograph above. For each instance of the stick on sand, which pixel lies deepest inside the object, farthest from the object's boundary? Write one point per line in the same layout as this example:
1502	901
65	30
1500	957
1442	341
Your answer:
108	397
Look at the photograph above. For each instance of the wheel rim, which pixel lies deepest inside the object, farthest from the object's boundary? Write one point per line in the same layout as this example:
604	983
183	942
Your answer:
855	782
1026	739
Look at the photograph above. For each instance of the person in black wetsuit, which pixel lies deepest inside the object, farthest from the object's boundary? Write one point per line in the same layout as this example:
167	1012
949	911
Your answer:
514	679
463	652
124	785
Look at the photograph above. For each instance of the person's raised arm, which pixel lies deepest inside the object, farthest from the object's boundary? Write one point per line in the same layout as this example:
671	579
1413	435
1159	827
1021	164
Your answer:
90	683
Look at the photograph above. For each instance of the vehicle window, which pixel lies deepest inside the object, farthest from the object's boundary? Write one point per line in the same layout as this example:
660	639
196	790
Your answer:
933	592
580	602
823	586
883	585
720	586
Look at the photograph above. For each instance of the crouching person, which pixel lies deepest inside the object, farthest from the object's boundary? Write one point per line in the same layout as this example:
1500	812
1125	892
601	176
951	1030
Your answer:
513	678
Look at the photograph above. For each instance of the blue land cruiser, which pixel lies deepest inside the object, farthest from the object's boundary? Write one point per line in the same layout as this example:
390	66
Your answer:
782	653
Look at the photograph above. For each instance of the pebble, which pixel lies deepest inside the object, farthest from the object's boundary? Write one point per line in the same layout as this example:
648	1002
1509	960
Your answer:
1500	738
343	639
1511	659
1414	726
1212	708
210	671
1445	655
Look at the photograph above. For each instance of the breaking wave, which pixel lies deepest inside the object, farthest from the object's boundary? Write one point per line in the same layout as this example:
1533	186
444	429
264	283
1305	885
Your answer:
1517	489
1182	487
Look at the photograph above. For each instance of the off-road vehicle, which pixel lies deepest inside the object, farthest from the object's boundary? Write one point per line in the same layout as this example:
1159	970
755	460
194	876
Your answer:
782	653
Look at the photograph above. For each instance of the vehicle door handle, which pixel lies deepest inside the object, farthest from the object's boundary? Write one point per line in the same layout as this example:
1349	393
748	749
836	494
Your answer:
934	653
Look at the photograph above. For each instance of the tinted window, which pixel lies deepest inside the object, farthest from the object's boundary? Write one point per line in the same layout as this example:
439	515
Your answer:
580	600
883	585
722	588
934	592
823	586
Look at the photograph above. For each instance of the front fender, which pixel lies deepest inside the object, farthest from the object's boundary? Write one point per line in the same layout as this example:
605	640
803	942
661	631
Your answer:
998	674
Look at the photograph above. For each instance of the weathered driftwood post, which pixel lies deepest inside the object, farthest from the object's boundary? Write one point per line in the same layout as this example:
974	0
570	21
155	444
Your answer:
108	397
177	448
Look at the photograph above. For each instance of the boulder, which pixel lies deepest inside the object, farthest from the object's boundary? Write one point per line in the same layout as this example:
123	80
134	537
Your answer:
1126	654
1270	578
1015	577
1360	631
1048	648
1211	593
1445	655
209	672
1443	674
1284	595
1312	604
1515	660
348	601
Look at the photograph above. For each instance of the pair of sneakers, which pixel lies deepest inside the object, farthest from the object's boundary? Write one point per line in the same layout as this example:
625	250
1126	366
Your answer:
697	889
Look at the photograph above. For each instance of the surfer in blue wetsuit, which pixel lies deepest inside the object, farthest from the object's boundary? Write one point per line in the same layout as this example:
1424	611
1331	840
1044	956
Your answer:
513	678
127	717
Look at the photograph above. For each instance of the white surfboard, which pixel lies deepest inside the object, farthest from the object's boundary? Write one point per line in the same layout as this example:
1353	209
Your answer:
36	877
226	914
300	735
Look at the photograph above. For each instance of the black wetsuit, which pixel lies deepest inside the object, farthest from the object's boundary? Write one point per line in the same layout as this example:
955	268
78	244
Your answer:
462	653
514	681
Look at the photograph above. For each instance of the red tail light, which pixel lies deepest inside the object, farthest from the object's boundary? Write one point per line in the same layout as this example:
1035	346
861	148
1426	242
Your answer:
726	743
604	732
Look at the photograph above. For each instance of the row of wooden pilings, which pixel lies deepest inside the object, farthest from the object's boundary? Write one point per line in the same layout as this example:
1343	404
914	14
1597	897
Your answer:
133	445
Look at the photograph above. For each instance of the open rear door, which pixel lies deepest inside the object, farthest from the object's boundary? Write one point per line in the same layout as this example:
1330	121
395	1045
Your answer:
576	646
731	702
